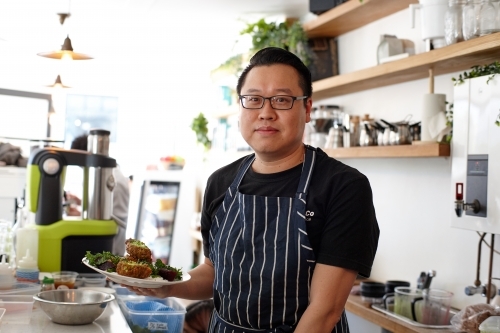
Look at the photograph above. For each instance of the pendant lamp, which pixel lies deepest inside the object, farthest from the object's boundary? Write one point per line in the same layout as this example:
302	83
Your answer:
66	52
58	83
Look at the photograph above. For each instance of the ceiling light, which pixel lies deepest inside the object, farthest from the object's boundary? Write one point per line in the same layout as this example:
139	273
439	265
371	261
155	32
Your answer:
63	17
58	83
65	52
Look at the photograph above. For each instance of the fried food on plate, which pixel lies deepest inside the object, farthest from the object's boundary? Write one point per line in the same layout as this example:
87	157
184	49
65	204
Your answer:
133	269
138	250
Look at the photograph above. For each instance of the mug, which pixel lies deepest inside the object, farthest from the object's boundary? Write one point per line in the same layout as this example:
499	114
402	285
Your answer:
403	299
435	307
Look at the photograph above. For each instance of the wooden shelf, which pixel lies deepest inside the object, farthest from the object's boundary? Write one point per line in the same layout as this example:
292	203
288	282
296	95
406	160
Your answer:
351	15
356	306
419	150
453	58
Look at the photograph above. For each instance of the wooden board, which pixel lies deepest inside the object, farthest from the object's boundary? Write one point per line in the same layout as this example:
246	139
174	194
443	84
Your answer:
457	57
424	150
351	15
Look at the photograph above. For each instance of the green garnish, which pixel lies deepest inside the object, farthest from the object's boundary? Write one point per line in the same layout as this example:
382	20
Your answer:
98	259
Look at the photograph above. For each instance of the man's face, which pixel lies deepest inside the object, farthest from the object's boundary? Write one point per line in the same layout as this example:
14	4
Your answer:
275	133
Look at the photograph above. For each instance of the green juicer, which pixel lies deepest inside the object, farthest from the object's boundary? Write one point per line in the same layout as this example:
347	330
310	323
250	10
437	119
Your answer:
63	243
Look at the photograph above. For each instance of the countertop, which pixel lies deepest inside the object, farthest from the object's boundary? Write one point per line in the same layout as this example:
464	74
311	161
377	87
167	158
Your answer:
356	306
111	321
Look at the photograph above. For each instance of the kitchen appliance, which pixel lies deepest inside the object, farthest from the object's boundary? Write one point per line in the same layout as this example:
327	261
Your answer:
432	14
64	242
475	153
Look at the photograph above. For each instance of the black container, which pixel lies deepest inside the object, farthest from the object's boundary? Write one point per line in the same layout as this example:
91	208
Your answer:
391	284
372	289
320	6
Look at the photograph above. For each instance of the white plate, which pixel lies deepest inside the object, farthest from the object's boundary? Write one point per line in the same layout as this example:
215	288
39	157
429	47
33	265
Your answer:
129	281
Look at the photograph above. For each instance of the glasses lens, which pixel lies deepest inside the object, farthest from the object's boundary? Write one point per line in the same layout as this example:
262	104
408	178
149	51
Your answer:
282	102
252	102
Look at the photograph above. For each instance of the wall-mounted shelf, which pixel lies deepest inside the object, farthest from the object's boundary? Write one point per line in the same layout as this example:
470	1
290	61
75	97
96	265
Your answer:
449	59
419	150
351	15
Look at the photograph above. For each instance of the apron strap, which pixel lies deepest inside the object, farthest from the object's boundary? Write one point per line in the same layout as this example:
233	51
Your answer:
242	171
307	170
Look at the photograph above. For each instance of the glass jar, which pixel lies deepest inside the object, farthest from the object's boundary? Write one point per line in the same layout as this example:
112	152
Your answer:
488	18
48	284
453	22
470	19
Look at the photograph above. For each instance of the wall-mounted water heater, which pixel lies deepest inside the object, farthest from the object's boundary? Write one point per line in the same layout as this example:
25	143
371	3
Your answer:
475	176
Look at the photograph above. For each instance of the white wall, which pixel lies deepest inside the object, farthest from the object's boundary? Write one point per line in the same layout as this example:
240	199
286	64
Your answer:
411	195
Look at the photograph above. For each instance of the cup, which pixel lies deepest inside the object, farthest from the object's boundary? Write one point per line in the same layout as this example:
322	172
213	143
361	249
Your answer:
64	279
390	285
403	298
434	309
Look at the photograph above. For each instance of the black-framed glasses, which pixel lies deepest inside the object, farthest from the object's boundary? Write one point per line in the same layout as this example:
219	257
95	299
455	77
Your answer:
278	102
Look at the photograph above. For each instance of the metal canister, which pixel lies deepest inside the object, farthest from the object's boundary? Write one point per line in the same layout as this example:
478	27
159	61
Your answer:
101	181
98	141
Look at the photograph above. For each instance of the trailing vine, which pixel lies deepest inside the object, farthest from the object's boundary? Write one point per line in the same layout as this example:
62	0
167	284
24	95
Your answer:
477	71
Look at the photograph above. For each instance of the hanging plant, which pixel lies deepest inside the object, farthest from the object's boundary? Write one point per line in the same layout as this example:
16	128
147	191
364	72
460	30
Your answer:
200	127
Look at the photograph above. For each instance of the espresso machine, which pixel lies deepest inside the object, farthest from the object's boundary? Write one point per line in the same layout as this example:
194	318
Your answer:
64	242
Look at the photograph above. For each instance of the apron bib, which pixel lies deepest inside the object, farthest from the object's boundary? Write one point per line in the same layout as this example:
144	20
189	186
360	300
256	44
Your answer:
262	258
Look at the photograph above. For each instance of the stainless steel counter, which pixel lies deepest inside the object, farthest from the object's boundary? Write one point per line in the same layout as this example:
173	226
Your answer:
111	321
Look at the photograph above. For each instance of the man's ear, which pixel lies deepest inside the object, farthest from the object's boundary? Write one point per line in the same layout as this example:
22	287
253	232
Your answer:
308	109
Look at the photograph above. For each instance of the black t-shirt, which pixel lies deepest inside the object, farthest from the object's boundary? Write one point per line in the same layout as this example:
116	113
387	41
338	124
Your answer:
343	229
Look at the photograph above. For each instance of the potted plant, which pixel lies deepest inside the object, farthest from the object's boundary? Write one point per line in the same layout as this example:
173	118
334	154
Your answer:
200	126
288	35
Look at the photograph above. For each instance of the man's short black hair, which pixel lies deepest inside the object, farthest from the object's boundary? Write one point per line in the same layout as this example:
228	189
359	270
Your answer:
275	55
80	142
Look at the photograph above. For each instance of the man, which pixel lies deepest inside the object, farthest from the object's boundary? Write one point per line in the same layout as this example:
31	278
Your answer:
286	230
121	195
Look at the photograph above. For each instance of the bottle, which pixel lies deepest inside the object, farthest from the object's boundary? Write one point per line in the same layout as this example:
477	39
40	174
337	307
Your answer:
471	16
27	269
453	22
48	284
6	275
487	18
27	239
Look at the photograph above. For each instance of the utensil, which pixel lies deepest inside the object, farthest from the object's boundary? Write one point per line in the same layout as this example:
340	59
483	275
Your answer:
399	132
365	136
380	134
73	307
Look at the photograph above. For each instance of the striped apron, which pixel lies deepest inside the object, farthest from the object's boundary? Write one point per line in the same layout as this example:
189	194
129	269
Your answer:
262	258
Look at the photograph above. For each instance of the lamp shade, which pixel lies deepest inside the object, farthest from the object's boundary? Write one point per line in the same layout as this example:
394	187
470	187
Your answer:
58	83
65	52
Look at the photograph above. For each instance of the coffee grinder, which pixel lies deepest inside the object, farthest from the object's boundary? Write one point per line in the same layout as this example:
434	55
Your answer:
64	242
